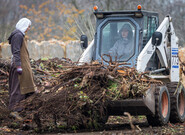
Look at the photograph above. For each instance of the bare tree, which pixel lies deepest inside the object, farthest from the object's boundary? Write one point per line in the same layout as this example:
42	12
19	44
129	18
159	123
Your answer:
10	12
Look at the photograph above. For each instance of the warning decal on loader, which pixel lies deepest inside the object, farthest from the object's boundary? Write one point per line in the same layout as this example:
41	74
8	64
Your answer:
175	60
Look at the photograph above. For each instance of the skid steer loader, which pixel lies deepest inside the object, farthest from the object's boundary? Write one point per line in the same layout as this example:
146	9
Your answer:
154	49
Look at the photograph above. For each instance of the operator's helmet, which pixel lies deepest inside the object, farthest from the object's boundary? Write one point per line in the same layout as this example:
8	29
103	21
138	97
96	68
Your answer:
127	27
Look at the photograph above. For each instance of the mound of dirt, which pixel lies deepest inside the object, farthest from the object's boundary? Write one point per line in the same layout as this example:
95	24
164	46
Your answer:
73	97
4	73
77	95
182	65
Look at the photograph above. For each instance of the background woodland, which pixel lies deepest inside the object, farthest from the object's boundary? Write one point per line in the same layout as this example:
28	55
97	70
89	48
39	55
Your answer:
68	19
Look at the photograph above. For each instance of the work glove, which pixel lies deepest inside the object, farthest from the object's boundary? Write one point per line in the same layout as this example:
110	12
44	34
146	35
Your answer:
19	70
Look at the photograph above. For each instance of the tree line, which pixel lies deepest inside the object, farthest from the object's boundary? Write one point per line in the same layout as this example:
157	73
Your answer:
68	19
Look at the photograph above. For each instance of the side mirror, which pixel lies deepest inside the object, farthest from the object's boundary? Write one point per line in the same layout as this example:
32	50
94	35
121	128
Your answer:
156	38
84	41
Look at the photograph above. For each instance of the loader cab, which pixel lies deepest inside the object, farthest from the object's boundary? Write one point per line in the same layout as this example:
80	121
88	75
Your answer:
109	38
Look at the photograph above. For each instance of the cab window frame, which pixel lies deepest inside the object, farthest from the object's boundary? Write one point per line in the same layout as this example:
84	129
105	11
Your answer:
116	21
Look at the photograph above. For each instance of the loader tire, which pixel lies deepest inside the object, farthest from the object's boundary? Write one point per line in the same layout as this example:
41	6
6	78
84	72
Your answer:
177	95
162	107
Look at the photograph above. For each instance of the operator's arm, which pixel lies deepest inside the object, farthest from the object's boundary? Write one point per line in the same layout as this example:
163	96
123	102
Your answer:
16	43
113	51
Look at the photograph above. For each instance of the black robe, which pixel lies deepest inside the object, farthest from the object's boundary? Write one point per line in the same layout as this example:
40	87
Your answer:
15	96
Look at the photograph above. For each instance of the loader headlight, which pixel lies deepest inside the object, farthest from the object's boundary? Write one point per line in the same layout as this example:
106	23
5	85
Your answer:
99	15
156	38
138	14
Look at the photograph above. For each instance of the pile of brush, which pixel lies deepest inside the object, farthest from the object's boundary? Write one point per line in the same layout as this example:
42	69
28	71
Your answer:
77	96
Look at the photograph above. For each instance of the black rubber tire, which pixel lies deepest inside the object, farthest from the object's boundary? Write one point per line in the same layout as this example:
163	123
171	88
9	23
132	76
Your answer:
177	104
162	107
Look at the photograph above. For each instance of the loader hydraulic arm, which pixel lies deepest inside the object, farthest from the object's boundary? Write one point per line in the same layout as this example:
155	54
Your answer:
161	50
